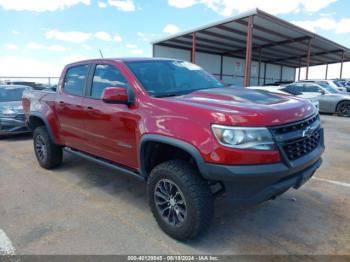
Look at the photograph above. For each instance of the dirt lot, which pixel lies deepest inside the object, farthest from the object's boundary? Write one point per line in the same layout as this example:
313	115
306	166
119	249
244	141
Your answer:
82	208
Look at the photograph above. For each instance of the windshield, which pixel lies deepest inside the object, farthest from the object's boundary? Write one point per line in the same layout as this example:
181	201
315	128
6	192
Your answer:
8	94
171	77
328	88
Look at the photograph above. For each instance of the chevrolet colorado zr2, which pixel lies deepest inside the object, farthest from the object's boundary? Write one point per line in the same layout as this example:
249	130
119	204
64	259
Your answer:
173	125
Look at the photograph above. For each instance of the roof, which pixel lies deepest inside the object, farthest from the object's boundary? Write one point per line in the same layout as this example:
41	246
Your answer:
280	42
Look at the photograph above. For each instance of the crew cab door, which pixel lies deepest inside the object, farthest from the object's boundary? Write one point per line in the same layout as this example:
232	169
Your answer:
110	128
69	106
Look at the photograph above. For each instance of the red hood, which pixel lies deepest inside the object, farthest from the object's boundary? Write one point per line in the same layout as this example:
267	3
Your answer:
247	107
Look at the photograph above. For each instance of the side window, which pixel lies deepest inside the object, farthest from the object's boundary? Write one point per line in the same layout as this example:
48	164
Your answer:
296	88
74	80
312	88
106	76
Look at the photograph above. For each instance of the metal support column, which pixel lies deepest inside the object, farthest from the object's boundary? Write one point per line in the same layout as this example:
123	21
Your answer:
341	65
193	54
281	73
265	67
259	70
299	69
308	59
221	66
248	55
326	76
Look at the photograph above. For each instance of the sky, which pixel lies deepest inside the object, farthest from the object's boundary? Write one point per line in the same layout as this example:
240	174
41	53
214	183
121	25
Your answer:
38	37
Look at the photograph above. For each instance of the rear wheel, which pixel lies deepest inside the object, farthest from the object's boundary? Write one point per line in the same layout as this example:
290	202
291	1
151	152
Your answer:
180	199
48	154
343	108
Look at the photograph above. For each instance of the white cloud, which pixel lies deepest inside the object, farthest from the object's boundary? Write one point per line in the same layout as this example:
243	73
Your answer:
15	32
103	36
102	4
74	37
40	5
182	3
131	46
171	29
19	66
123	5
33	45
343	26
81	37
327	24
11	46
228	7
117	38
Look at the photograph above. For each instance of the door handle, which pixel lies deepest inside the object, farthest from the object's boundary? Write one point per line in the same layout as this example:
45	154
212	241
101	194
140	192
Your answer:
61	102
90	107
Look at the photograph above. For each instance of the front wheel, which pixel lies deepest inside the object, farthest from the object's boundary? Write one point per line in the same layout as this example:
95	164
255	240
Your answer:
343	109
48	154
180	199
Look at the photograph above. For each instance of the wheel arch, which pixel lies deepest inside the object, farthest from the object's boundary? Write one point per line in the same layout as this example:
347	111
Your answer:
36	119
339	102
168	141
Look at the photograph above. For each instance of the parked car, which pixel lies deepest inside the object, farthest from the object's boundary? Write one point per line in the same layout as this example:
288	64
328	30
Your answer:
33	85
331	100
174	126
284	90
12	120
332	83
347	85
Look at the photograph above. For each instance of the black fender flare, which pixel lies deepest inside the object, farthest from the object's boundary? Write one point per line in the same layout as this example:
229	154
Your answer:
190	149
46	123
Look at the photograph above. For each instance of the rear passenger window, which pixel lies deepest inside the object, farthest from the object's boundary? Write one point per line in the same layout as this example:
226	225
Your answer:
106	76
75	80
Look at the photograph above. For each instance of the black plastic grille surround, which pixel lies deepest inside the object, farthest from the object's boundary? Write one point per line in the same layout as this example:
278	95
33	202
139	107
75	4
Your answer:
296	126
302	145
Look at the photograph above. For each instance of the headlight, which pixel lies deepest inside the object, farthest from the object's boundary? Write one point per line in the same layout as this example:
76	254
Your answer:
7	112
256	138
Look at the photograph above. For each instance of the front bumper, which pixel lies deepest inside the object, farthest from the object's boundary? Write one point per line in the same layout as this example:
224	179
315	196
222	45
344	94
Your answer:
253	184
14	125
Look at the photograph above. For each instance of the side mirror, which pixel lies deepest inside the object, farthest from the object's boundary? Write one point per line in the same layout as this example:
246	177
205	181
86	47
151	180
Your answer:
322	92
115	95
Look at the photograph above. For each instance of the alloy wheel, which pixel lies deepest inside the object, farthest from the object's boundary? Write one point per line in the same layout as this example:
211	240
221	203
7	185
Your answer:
170	202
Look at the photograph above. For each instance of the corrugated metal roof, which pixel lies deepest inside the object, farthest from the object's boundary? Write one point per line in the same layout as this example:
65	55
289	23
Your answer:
279	41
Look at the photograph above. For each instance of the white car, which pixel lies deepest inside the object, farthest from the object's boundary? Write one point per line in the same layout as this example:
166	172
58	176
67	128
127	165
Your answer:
282	90
331	83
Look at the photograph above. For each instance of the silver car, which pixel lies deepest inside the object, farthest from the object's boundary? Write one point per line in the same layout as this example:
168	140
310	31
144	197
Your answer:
331	100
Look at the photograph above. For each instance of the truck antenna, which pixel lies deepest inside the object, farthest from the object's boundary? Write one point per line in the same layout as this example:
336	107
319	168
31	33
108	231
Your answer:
100	53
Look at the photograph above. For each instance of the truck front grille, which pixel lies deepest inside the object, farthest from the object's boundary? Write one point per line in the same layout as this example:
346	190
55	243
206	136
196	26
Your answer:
298	139
296	126
301	147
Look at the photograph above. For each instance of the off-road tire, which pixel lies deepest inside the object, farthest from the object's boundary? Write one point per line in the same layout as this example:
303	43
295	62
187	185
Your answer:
197	196
52	157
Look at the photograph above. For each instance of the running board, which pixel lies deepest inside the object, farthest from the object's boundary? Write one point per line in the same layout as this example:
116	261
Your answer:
105	163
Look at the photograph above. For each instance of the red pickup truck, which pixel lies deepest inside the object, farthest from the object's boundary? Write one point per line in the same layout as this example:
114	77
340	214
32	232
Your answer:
173	125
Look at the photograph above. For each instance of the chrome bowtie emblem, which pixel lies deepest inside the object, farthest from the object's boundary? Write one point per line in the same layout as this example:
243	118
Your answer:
307	132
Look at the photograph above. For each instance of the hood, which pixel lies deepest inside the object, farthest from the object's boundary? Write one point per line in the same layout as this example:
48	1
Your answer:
248	107
13	105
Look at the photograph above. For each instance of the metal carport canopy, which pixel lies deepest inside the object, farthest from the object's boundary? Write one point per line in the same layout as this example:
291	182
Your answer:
257	35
